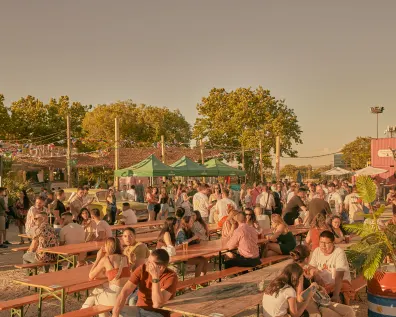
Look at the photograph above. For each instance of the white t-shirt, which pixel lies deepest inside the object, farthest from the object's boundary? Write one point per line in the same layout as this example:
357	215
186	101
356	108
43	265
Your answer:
103	226
330	264
335	201
354	205
265	200
130	216
274	306
201	203
72	233
131	194
290	196
221	206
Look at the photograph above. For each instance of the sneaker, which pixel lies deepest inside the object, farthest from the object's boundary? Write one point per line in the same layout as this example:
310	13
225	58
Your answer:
6	242
3	246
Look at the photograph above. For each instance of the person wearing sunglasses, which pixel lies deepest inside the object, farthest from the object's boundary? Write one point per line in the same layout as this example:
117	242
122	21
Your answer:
44	237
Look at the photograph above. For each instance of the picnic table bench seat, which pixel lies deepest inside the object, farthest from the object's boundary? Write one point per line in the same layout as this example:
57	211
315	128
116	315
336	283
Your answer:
24	249
16	305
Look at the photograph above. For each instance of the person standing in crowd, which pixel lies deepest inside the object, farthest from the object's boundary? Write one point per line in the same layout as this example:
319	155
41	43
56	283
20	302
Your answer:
43	237
266	201
354	206
255	192
245	239
334	200
22	205
128	214
33	211
151	202
156	285
77	202
201	201
103	230
140	191
124	193
186	204
280	297
3	209
330	268
164	204
89	225
291	193
316	206
43	193
222	205
325	189
114	264
132	196
293	207
111	207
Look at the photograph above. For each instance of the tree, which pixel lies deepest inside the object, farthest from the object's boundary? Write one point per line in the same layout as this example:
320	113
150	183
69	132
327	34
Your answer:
138	124
5	122
245	116
33	119
357	153
289	170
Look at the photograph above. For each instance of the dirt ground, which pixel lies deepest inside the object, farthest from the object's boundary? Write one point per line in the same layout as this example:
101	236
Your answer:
10	290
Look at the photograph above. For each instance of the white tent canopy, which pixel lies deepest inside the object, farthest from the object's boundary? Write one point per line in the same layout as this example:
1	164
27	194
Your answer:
337	171
370	170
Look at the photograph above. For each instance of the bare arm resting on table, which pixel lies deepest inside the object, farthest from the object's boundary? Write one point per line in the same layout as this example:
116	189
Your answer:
127	290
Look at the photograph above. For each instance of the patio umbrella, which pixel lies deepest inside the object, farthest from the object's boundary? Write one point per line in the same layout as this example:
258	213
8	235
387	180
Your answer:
336	171
370	170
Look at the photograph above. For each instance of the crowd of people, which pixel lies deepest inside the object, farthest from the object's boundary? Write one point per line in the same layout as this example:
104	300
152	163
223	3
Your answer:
142	278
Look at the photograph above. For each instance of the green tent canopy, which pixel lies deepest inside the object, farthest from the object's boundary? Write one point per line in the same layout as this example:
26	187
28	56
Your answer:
215	167
149	167
186	167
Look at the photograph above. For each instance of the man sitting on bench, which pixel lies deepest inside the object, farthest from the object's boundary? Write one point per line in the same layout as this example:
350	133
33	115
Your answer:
245	238
43	237
156	286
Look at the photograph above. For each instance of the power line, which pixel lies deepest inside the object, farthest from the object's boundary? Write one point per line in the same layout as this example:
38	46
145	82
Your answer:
35	139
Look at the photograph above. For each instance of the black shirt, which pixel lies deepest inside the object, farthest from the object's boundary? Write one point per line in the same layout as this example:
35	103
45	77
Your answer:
292	210
61	207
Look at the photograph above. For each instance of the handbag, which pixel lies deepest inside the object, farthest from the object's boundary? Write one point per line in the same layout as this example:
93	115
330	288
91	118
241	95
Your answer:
321	297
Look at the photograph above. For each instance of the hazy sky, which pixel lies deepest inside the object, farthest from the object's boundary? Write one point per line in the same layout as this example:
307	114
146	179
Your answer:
330	60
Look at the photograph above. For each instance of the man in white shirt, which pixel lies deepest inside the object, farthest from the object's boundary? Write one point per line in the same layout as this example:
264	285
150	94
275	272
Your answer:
266	201
334	200
132	193
222	204
103	229
128	215
71	233
353	204
330	265
201	201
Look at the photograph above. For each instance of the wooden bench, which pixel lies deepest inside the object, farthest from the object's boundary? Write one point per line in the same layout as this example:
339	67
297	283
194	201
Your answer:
16	305
24	249
273	259
88	312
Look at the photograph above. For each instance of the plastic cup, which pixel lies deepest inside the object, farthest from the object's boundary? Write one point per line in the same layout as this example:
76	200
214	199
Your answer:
347	239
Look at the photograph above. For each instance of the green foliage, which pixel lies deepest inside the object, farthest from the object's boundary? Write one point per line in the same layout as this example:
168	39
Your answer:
366	188
369	253
139	124
357	153
244	116
5	121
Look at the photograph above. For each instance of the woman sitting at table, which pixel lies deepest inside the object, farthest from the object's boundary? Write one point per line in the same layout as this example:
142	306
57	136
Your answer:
186	236
199	228
251	220
282	241
280	297
84	219
113	264
318	225
336	228
167	236
300	255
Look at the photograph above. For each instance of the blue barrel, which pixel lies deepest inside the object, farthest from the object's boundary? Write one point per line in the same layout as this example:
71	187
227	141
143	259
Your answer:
381	306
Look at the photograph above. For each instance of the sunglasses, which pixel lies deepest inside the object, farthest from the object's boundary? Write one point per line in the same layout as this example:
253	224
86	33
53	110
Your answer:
37	218
248	214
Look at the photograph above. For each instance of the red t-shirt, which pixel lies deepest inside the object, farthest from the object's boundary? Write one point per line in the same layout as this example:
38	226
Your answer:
141	278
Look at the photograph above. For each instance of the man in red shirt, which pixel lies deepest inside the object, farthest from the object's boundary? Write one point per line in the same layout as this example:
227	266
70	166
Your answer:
156	286
245	239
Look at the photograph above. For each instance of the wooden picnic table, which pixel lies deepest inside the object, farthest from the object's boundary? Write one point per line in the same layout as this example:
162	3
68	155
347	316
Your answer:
68	252
226	299
54	284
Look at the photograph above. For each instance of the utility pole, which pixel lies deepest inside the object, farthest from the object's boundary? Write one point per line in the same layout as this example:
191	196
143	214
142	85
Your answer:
243	161
68	154
163	148
261	162
1	170
116	150
277	158
201	145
